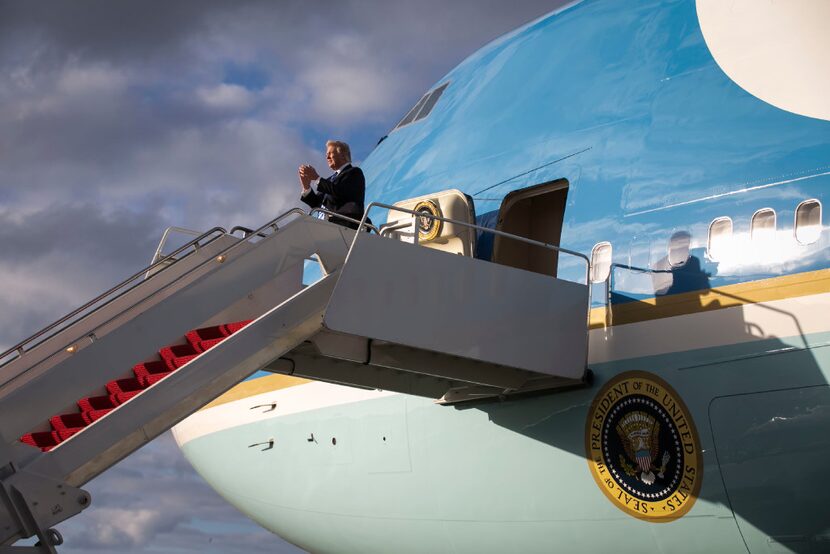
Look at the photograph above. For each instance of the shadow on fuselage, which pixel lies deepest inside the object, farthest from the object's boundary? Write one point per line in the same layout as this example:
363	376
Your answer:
757	395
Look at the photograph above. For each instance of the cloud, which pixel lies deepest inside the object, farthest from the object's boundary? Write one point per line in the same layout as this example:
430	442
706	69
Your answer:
120	527
76	81
226	97
348	81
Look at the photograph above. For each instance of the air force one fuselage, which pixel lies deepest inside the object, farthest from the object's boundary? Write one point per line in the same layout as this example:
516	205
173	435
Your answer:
683	146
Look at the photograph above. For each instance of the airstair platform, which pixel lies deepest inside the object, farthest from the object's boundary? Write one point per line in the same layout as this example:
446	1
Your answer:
89	390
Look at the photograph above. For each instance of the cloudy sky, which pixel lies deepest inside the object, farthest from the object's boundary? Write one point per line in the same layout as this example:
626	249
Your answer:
118	119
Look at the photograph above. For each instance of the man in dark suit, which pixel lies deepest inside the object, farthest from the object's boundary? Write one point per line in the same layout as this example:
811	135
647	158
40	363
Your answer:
343	192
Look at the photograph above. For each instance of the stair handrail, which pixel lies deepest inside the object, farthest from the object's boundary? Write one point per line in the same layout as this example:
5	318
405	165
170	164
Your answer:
360	223
245	231
158	254
20	347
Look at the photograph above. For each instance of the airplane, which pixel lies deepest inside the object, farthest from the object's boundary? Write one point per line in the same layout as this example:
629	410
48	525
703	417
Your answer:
593	320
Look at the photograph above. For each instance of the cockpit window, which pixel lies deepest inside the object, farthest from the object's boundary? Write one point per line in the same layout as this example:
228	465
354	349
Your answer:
410	116
431	101
808	222
423	107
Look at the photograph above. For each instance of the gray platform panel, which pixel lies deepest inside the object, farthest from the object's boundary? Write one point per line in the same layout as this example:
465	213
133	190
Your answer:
441	302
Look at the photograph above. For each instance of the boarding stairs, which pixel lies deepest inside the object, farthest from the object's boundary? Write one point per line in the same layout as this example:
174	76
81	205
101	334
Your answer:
386	314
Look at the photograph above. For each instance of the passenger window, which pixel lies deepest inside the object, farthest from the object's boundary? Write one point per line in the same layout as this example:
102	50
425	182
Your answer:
639	253
679	248
808	222
720	235
763	225
600	262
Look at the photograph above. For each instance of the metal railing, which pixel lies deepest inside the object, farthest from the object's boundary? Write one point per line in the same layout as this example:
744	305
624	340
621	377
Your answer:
21	349
246	231
383	229
361	223
387	228
158	255
472	226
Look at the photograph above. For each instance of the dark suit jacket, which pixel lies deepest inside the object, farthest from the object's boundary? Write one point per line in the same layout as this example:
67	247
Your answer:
343	194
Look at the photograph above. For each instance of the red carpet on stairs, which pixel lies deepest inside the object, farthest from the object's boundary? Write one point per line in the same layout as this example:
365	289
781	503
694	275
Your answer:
119	391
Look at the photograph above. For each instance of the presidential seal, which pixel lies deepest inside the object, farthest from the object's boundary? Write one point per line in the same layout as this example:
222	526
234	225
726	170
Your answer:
428	228
643	449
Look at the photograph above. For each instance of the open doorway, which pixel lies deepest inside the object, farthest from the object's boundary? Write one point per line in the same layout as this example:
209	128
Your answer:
536	213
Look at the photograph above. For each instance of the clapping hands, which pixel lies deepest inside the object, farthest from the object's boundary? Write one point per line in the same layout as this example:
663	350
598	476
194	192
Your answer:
307	174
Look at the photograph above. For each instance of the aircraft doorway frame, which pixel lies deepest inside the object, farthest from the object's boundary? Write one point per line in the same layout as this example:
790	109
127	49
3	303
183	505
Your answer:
538	213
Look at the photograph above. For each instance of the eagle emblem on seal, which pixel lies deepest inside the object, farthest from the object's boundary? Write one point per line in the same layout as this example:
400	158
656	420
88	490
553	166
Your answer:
640	435
429	228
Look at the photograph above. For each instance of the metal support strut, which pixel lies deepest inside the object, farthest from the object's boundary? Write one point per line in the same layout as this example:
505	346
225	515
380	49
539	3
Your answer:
37	503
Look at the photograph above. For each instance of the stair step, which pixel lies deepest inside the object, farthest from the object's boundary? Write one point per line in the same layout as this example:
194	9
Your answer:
232	328
150	372
146	369
121	397
67	421
43	440
205	345
177	355
154	378
63	434
95	403
95	415
119	386
198	336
